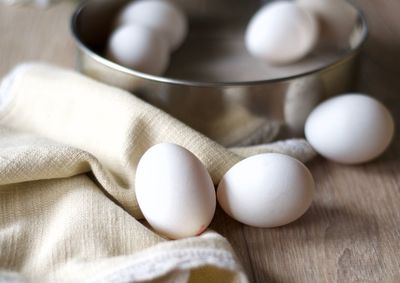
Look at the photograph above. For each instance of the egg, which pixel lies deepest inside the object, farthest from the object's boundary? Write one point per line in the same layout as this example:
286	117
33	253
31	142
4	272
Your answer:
138	48
266	190
337	20
281	32
161	16
174	191
351	129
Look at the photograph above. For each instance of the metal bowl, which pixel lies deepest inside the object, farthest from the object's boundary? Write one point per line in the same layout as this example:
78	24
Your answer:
212	83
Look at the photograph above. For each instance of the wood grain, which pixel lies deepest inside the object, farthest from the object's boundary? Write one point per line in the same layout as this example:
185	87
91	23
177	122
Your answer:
352	231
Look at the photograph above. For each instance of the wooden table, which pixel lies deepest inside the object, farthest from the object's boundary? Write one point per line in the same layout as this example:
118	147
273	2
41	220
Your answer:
352	231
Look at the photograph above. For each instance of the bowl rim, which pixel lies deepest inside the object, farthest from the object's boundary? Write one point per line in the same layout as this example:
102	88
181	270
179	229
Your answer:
161	79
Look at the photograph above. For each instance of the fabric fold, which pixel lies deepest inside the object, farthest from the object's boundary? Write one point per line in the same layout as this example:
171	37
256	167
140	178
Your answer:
66	230
57	223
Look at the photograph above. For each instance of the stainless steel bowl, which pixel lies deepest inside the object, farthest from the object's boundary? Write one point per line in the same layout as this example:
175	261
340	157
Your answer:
212	83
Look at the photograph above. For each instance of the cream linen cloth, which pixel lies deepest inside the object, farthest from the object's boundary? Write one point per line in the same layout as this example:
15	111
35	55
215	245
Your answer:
68	151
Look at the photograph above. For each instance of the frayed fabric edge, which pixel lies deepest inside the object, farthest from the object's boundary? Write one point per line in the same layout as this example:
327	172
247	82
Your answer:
181	261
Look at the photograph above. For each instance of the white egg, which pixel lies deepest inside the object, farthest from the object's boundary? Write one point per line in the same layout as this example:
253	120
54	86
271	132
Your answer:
350	129
138	48
266	190
281	32
174	190
162	16
337	17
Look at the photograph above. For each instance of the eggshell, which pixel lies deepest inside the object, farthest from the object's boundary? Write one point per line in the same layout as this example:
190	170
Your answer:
281	32
266	190
174	190
138	48
162	16
350	129
337	20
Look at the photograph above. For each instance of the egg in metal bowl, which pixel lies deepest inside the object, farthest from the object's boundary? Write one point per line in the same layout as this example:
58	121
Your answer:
212	82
